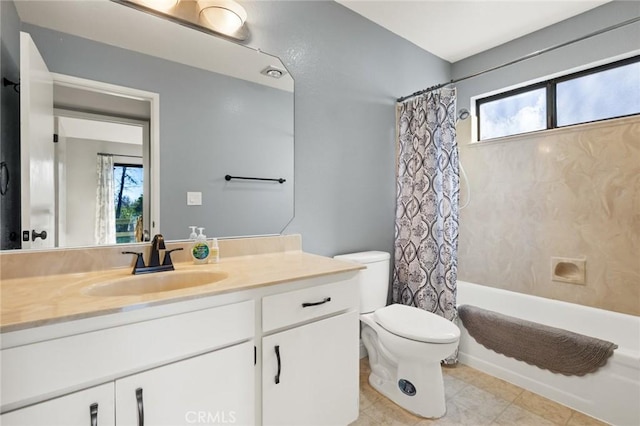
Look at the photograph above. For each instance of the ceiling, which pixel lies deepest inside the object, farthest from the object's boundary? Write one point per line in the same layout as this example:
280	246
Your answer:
456	29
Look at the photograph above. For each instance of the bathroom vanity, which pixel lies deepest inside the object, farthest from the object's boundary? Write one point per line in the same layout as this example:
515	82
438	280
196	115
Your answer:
273	342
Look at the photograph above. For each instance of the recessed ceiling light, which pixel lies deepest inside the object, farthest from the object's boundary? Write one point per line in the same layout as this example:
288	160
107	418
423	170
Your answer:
273	72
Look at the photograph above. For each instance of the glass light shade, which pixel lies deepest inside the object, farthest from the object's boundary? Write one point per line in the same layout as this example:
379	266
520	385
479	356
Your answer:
224	16
162	5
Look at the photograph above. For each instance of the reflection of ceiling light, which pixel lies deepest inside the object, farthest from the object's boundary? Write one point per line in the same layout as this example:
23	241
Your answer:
224	16
162	5
273	72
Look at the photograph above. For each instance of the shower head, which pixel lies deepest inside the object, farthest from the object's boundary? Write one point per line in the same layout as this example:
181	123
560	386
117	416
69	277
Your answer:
463	114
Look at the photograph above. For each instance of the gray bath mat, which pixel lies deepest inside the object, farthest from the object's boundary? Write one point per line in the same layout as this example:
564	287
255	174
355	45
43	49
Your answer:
554	349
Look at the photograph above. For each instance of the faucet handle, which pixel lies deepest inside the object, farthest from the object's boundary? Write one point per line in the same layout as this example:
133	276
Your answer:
167	257
139	260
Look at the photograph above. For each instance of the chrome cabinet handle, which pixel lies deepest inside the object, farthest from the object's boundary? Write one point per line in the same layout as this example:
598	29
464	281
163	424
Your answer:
140	407
323	301
277	348
93	411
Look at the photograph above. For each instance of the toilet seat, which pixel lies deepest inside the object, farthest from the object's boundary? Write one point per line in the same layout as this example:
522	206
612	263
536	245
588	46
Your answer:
416	324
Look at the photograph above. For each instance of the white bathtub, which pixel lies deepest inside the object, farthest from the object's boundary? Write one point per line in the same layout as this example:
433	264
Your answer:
611	394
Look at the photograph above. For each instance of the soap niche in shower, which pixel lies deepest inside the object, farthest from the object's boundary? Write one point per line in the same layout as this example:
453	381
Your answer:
568	270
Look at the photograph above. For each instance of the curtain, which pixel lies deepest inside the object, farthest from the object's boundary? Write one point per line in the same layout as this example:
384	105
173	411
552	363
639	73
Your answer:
105	223
426	228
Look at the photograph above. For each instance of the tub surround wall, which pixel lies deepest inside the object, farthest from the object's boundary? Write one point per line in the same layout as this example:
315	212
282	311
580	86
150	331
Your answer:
572	192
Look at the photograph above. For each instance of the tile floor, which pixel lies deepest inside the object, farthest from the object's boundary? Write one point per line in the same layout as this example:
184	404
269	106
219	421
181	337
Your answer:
473	398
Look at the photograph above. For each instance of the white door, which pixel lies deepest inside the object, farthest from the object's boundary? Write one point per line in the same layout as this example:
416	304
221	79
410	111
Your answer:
214	388
310	374
36	147
89	407
60	184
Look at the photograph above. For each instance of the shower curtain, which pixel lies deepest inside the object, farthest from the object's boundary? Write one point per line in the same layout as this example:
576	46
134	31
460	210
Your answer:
426	228
105	220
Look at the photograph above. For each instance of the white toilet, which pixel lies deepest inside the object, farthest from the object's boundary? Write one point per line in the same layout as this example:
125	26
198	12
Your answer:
405	344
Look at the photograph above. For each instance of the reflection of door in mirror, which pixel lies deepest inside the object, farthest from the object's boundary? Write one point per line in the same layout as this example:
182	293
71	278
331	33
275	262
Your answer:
36	147
98	201
92	120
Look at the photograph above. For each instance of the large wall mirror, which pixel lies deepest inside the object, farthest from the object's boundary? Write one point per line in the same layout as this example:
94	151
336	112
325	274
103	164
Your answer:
150	118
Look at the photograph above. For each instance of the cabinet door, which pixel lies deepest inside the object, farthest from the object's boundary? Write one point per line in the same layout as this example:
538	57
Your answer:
90	407
214	388
310	373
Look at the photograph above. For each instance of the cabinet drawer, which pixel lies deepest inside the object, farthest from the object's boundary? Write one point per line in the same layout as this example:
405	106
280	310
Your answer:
47	369
285	309
84	408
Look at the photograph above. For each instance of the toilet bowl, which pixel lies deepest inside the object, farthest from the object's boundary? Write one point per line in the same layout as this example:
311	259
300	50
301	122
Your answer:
405	344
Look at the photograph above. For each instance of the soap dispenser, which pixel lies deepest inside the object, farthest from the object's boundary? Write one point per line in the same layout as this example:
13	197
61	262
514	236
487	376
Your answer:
215	251
193	235
200	249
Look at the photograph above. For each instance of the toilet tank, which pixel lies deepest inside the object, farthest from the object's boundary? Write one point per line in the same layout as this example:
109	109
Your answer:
374	281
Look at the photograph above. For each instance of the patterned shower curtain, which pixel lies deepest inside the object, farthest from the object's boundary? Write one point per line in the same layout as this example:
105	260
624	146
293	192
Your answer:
426	228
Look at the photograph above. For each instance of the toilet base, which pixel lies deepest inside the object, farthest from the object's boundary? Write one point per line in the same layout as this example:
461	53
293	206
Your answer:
422	390
407	372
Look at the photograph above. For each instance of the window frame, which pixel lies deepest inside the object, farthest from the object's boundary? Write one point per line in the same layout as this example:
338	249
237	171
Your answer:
550	93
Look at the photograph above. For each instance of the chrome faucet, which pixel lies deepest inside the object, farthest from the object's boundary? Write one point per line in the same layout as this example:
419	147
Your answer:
154	258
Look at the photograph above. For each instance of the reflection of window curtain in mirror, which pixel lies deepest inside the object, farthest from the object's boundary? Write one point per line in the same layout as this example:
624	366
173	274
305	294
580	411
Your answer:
105	226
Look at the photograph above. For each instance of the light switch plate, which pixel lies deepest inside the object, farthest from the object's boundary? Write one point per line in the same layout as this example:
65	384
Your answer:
194	198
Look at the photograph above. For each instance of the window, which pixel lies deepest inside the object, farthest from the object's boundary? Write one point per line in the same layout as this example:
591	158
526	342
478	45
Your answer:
518	113
600	93
128	190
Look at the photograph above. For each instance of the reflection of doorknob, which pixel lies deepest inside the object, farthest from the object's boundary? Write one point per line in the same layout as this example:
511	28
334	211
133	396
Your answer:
35	235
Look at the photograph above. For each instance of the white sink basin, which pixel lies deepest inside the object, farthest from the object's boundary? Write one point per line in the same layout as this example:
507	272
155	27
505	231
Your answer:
154	283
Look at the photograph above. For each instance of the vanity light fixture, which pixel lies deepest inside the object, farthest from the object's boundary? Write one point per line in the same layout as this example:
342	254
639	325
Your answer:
273	72
224	16
161	5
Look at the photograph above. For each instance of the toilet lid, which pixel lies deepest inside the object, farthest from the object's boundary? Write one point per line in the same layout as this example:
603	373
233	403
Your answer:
416	324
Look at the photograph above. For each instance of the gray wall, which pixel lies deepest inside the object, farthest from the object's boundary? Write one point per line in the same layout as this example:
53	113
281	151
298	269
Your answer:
589	51
10	124
348	73
210	125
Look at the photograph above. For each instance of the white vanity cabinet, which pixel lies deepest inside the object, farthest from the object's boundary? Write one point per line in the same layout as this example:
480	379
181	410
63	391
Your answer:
190	368
209	360
214	388
310	369
90	407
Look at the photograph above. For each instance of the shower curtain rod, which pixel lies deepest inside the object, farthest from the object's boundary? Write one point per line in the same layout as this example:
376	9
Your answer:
520	59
